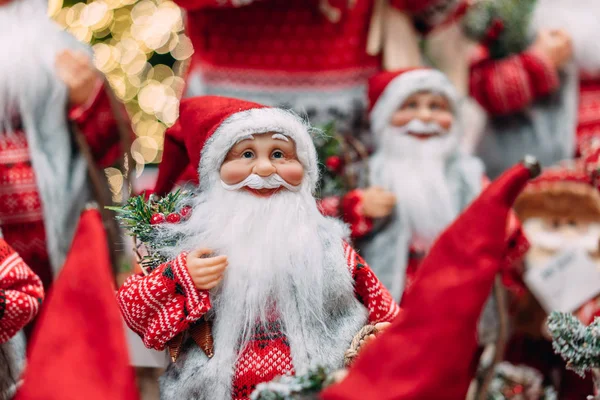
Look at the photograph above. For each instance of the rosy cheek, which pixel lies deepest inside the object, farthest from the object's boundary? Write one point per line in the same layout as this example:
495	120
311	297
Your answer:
235	171
445	120
292	172
402	117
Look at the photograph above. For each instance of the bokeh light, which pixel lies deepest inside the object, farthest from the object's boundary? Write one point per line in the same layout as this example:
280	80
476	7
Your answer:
143	51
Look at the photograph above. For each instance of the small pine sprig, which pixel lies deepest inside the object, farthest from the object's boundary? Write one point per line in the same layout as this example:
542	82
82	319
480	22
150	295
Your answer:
577	344
142	218
503	26
139	217
298	387
331	163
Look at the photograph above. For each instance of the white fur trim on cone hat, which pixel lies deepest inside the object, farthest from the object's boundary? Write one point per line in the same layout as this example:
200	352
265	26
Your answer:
405	85
256	121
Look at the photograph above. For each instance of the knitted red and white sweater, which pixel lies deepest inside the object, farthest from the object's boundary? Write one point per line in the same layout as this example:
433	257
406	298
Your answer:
511	84
164	303
287	53
21	293
21	208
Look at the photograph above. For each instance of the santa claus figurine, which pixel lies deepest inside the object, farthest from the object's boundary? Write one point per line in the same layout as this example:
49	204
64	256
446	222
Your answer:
560	212
419	178
21	294
48	90
276	280
311	56
542	99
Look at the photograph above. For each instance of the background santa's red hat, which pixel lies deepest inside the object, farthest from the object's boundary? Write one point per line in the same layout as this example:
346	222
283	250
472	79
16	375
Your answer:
209	126
389	90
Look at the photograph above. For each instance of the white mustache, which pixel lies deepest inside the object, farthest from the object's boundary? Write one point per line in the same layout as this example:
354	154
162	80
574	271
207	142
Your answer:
257	182
422	128
540	237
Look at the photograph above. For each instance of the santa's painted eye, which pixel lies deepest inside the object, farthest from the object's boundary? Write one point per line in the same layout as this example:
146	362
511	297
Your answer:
411	105
247	154
277	154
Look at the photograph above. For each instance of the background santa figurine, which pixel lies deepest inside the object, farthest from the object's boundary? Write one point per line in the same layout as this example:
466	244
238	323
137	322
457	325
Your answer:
56	127
419	178
537	75
255	260
21	293
310	56
560	213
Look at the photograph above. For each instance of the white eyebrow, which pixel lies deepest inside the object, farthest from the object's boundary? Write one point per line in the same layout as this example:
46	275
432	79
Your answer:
280	137
245	137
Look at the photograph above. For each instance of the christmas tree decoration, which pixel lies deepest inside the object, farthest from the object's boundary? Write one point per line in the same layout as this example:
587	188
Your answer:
502	26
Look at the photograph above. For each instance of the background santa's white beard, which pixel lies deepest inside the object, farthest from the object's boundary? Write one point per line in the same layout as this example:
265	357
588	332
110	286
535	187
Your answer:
580	19
415	171
30	42
277	248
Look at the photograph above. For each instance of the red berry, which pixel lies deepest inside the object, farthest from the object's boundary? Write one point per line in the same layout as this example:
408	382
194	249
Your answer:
185	212
173	218
157	218
334	163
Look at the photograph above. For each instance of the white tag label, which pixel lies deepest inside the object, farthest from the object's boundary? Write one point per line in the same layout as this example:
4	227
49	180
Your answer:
566	282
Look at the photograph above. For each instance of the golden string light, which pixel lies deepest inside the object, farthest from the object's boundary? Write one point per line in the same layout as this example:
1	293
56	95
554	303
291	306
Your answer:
124	35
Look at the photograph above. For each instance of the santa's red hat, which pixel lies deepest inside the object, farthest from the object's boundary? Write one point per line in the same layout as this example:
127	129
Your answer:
389	90
427	352
568	189
209	126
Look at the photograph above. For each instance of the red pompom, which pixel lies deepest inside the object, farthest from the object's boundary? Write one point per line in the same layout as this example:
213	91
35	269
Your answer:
186	211
157	218
173	218
334	163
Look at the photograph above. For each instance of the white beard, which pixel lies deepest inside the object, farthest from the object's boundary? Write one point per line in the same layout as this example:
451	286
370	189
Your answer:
414	170
549	240
30	42
580	19
276	250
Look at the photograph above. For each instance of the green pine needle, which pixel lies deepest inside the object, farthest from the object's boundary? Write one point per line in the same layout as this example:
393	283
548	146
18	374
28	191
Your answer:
577	344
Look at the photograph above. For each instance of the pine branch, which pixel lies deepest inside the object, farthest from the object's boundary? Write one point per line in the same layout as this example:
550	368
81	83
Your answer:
577	344
136	218
288	387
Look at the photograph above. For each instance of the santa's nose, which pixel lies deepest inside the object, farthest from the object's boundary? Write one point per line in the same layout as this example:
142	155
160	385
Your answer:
424	114
264	168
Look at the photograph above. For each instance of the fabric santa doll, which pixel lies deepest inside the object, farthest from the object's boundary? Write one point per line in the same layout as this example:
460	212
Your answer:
560	212
21	293
419	179
276	280
310	55
543	98
48	88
